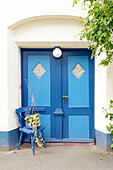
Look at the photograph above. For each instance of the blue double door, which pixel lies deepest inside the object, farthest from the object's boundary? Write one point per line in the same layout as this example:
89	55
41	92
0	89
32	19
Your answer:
63	89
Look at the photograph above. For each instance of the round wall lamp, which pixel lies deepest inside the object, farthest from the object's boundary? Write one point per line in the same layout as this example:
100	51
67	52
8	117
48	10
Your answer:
57	52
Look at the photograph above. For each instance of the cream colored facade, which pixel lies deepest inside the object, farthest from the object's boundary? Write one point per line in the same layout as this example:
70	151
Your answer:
42	24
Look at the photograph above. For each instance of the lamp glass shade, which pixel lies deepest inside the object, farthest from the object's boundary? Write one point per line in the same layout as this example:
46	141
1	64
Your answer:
57	52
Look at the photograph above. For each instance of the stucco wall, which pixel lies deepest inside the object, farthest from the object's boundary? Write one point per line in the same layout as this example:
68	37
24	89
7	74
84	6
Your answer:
41	24
110	82
3	80
22	9
14	97
48	30
100	94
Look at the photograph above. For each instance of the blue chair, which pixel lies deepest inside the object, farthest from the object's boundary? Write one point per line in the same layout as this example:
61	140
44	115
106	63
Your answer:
21	113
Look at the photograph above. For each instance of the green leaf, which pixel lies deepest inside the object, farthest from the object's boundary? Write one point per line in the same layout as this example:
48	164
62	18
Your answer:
75	2
111	146
112	133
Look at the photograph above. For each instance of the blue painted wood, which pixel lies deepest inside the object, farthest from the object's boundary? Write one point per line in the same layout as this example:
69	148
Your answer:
47	110
45	120
79	127
39	87
20	141
32	143
53	96
91	92
57	79
55	83
21	116
59	127
41	109
24	78
78	89
65	89
43	137
24	69
58	103
59	124
59	112
88	110
59	84
23	129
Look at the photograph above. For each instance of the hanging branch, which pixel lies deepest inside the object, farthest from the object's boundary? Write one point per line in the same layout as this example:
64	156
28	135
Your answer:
98	28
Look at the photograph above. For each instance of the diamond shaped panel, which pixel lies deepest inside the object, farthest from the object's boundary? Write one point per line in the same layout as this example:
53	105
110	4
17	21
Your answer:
39	70
78	70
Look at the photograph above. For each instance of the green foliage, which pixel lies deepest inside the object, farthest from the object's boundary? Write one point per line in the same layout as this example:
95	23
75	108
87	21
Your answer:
111	146
33	122
98	27
110	116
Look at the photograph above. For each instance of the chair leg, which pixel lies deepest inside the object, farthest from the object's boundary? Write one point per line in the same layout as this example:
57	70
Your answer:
20	140
32	145
43	138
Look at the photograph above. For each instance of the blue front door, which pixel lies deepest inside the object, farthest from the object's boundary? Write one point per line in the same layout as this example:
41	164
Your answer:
63	89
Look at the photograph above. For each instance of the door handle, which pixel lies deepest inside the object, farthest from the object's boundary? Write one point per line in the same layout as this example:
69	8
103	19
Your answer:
64	97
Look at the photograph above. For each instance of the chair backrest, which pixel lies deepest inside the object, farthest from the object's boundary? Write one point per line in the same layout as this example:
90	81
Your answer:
21	113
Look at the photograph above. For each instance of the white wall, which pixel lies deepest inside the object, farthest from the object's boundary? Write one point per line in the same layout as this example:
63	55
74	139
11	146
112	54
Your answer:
100	94
3	80
21	9
110	82
9	81
103	92
49	32
13	80
37	23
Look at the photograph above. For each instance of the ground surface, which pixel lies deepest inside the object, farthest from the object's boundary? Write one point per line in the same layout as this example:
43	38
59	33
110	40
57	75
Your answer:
57	158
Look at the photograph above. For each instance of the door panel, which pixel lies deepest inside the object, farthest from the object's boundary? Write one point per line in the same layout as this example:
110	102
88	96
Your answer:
79	127
78	81
46	121
39	79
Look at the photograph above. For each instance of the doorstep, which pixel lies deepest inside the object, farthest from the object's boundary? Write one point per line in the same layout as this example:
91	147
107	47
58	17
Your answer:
69	144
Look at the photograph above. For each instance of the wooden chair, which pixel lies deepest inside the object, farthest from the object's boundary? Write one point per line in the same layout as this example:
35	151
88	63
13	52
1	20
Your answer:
21	113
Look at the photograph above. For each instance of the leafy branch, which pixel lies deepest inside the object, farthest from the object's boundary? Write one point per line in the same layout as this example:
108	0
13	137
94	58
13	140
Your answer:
98	27
32	119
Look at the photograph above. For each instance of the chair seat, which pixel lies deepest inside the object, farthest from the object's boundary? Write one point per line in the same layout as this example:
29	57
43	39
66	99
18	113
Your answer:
25	130
28	131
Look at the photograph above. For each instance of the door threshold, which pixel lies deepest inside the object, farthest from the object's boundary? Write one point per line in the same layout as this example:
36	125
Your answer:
68	144
66	140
